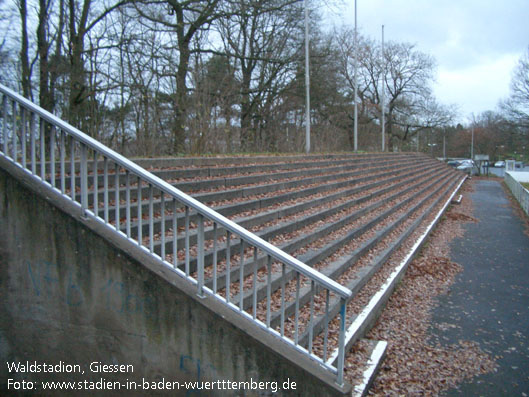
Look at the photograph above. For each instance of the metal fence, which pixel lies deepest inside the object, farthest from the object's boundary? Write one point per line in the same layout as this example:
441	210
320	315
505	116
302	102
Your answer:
126	198
518	191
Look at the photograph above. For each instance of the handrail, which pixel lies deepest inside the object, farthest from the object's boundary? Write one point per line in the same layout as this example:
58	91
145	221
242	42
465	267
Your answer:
183	197
82	144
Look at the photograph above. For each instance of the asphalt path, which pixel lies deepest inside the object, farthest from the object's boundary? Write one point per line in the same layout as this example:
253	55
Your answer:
489	301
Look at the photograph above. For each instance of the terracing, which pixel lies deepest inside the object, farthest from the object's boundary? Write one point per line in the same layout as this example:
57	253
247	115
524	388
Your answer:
296	252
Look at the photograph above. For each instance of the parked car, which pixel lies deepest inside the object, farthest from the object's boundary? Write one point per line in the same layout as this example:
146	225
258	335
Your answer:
466	165
453	163
499	164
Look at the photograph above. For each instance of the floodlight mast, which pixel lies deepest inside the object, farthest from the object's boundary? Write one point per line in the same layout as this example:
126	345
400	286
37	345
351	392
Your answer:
472	144
355	82
383	93
307	81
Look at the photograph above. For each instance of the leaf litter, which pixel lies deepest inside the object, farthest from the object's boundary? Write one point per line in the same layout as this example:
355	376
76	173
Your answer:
415	365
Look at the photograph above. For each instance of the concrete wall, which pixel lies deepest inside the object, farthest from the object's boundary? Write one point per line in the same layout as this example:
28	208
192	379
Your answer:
72	292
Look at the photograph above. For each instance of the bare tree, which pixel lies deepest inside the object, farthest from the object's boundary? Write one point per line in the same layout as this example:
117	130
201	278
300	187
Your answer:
82	18
407	81
263	37
516	106
184	19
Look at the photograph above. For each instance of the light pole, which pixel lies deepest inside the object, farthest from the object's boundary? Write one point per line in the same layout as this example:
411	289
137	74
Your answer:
383	93
444	143
307	82
472	144
356	83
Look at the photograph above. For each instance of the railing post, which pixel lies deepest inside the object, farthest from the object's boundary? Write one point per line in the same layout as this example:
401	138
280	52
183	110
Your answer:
215	257
95	178
4	123
175	236
32	143
52	157
200	258
127	201
14	137
72	161
23	135
162	228
84	180
62	156
186	241
341	344
105	189
42	140
311	319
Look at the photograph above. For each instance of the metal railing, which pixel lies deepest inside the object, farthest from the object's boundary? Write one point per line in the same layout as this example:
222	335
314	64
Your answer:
50	150
519	192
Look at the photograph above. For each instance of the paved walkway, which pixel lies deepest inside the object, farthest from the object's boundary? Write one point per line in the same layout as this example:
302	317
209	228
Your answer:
489	301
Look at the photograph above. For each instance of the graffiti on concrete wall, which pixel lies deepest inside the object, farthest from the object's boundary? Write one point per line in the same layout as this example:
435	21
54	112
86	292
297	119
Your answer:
115	295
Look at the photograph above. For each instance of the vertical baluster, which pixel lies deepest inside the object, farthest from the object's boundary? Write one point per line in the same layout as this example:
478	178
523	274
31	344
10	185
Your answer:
175	235
254	291
268	288
341	343
127	199
241	277
63	162
84	179
326	332
52	156
140	215
4	123
96	184
72	162
23	135
200	256
214	257
32	143
186	237
14	137
228	267
117	212
283	271
43	152
151	218
162	228
105	189
296	316
311	319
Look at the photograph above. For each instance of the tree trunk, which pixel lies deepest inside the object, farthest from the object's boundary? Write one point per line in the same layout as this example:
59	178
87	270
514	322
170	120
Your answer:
24	57
45	96
246	111
180	104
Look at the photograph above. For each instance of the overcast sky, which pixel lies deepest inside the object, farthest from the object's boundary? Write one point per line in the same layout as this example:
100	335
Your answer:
476	43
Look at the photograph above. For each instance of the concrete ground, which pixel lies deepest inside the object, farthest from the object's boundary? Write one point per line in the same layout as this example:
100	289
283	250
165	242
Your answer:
489	301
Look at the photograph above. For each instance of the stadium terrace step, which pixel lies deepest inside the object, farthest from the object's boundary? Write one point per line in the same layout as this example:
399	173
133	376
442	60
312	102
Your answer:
307	241
265	194
261	215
